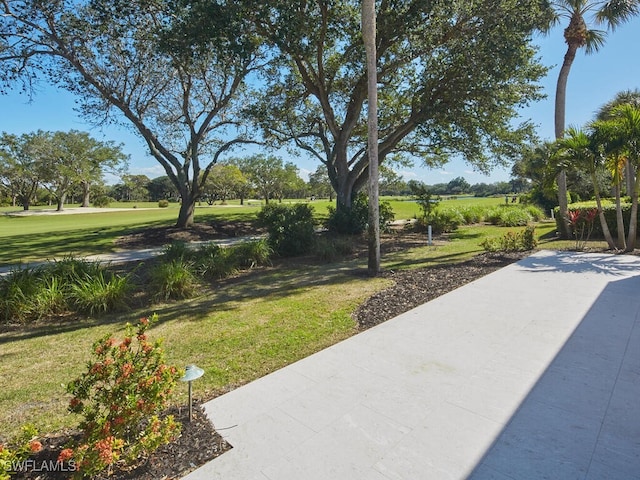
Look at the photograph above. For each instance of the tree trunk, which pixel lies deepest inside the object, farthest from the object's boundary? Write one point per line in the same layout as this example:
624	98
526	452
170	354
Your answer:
559	117
622	244
187	211
603	220
86	192
60	202
633	221
369	35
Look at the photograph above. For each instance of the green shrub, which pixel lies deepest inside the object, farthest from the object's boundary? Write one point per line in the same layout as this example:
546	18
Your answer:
290	228
511	241
354	221
215	262
120	398
173	280
514	215
13	453
163	203
445	220
330	249
50	298
609	210
253	253
177	250
16	293
101	293
101	201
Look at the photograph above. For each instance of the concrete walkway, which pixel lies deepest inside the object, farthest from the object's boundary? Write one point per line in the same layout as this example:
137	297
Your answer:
532	372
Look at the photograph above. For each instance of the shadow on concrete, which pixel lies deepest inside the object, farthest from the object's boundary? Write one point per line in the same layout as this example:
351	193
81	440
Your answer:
572	262
581	420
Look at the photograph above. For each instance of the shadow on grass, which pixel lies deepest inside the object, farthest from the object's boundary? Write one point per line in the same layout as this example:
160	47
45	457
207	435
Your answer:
47	245
270	283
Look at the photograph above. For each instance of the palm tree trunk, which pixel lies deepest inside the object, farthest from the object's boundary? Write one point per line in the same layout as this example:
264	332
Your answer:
603	221
559	117
622	244
633	221
369	36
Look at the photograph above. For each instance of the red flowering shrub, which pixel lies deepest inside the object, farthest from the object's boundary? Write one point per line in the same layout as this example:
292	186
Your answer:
120	396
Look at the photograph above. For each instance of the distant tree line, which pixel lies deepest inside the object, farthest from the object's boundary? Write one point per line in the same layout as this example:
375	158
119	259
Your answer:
53	166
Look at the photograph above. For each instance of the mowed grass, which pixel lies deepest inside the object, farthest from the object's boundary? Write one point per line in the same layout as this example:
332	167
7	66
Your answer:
41	237
237	331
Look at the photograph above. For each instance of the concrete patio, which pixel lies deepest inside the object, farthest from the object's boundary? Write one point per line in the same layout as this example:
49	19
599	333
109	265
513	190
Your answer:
532	372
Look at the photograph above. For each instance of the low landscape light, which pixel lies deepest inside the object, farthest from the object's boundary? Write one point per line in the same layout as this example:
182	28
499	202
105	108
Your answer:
191	373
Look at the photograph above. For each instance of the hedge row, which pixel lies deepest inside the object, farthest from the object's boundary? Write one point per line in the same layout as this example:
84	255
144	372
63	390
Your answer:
609	210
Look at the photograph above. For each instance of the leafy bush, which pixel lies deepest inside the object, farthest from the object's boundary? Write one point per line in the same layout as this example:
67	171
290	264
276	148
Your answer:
253	253
511	241
214	261
173	280
163	203
354	221
16	293
330	249
514	215
50	298
120	397
101	201
442	220
13	453
177	250
290	228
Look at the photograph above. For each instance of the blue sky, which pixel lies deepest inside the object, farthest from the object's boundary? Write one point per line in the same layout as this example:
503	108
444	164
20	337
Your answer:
594	80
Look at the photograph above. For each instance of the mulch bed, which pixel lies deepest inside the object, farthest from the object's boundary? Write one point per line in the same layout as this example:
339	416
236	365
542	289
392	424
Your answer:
197	444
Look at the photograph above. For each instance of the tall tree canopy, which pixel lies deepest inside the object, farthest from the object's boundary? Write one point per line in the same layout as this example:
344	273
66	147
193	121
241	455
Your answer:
136	62
451	77
582	16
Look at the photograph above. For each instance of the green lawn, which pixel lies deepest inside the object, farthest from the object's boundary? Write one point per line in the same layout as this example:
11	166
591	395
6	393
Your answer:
237	330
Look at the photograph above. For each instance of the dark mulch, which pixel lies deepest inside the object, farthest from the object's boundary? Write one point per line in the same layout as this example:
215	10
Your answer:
199	442
415	287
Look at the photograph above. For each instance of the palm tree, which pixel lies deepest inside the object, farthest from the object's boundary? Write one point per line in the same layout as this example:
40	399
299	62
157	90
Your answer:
577	34
624	128
579	149
369	37
604	113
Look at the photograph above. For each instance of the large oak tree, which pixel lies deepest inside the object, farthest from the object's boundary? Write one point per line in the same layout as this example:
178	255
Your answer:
451	77
138	62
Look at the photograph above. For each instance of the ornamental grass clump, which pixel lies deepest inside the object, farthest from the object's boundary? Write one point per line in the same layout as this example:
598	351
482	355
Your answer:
121	396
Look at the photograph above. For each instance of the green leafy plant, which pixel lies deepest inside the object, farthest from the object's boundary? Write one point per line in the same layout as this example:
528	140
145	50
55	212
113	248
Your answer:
511	241
330	249
126	387
253	253
101	201
15	452
214	261
101	293
163	203
290	228
173	280
354	221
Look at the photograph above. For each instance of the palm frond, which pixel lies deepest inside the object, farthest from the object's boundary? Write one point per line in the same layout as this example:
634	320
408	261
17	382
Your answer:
616	12
594	41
